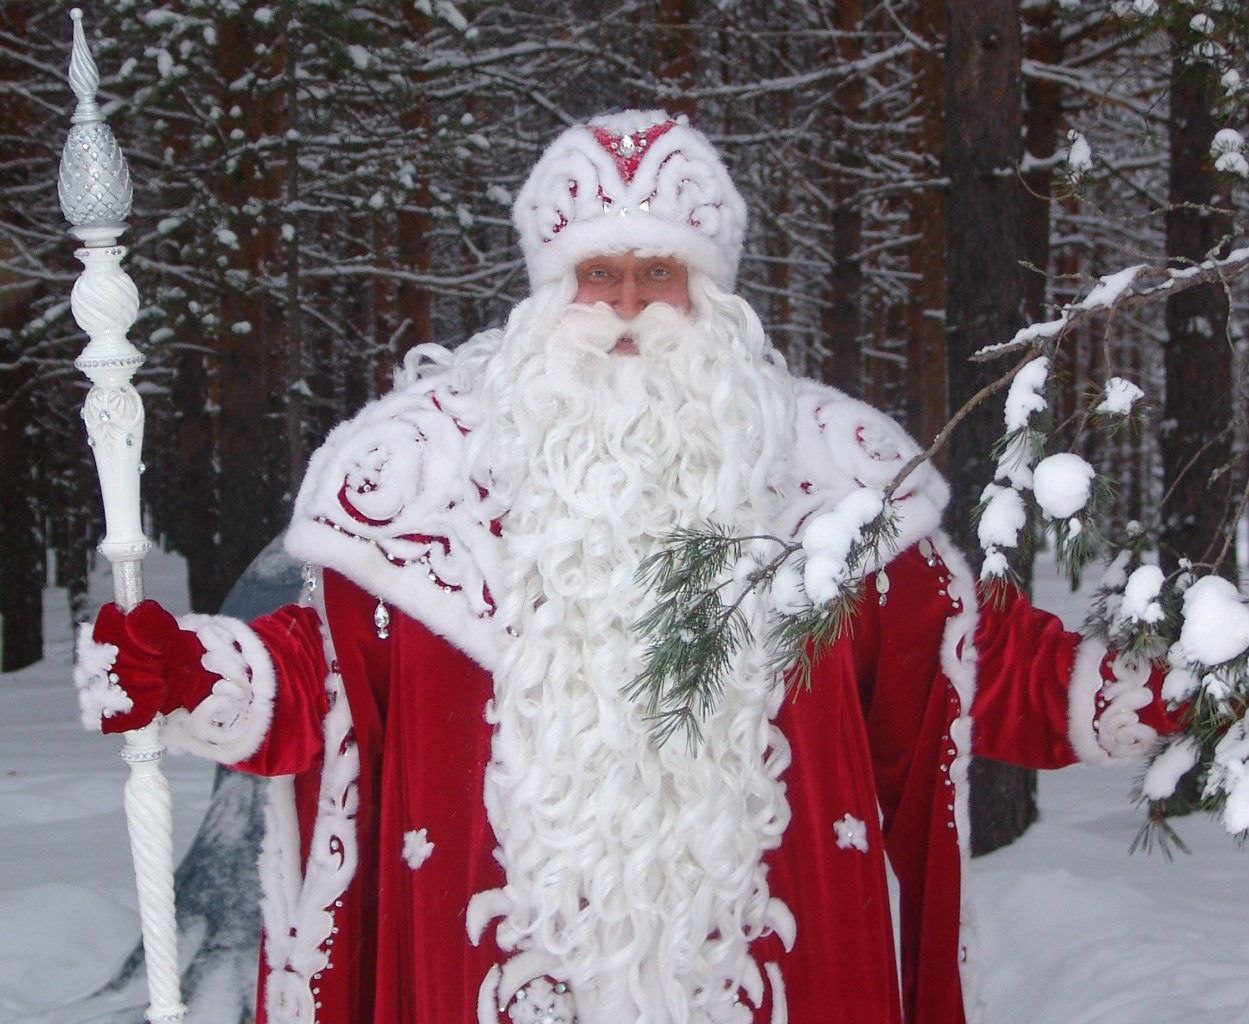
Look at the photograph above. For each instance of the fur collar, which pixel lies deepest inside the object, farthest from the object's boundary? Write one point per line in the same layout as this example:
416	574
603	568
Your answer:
387	502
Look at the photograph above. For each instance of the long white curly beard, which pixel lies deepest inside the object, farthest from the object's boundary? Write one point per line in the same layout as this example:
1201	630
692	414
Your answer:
633	871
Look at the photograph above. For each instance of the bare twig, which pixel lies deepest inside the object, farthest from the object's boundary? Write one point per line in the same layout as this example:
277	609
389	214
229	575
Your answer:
1230	539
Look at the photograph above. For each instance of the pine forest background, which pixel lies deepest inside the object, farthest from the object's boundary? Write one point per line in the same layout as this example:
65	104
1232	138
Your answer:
321	185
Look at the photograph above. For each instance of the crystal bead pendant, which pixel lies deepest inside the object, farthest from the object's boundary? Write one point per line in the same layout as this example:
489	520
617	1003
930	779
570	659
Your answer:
308	575
381	620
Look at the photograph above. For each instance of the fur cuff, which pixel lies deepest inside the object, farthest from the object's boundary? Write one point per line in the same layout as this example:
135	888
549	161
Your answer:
1105	695
230	723
99	696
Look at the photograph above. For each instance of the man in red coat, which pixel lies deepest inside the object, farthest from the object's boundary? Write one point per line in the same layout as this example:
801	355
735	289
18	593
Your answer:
469	822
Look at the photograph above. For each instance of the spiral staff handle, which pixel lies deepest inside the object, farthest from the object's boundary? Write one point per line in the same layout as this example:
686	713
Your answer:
95	193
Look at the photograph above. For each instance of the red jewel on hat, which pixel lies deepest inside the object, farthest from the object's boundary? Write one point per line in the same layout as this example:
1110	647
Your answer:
628	149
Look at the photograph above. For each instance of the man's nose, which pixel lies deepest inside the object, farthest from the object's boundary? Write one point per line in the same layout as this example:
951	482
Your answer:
629	303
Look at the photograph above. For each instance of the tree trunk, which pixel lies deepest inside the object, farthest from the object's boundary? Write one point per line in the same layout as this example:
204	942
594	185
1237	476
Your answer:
927	398
414	303
21	536
295	390
984	304
248	444
1042	117
778	304
676	52
842	315
1197	417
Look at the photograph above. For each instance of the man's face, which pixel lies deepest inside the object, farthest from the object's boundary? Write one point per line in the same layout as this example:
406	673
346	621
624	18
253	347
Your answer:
629	283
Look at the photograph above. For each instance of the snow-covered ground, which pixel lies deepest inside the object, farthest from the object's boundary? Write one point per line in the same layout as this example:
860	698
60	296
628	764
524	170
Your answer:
1071	929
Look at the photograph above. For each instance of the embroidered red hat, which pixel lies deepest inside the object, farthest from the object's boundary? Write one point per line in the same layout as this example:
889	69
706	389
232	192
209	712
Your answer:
639	179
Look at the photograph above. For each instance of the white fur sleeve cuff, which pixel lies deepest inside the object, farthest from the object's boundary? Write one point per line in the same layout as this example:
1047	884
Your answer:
230	723
99	695
1103	725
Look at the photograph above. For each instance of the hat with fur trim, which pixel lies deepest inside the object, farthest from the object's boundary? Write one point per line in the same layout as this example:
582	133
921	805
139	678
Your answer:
639	179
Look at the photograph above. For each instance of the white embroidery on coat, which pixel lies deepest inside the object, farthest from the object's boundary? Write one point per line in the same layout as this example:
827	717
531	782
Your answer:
416	848
851	833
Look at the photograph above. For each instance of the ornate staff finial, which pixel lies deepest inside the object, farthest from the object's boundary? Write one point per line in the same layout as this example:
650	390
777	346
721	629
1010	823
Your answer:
94	182
84	76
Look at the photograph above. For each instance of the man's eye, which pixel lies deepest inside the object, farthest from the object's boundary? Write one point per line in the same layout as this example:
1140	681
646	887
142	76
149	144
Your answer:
660	272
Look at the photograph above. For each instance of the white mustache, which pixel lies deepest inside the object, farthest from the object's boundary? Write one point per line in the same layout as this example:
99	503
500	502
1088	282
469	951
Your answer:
656	330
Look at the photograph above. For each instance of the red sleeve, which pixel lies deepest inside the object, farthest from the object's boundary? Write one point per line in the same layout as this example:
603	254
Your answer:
1046	697
1024	665
293	741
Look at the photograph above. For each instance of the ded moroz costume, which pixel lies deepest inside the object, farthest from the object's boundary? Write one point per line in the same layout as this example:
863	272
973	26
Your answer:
469	821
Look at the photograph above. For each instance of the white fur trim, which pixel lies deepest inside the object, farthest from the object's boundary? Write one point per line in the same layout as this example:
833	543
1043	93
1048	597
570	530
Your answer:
99	696
281	874
1117	735
488	997
399	467
958	662
841	444
782	922
483	907
1086	683
299	912
780	1006
230	723
576	203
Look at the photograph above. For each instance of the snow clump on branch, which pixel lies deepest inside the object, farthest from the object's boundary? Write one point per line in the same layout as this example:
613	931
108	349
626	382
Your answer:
1139	603
1228	151
1063	484
1003	517
1003	513
1229	774
1169	767
1135	8
1119	397
831	540
1079	156
1027	394
1216	622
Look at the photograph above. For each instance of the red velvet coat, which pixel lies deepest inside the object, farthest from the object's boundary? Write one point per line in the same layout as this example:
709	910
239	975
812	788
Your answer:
873	730
377	836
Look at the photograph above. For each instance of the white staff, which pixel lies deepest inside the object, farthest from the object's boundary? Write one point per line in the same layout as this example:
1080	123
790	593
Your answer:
95	195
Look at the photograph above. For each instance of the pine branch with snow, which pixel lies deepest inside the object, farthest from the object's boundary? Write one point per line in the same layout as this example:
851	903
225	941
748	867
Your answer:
692	632
1199	629
701	578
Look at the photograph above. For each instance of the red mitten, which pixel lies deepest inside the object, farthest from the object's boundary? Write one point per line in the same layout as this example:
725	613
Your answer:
157	664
